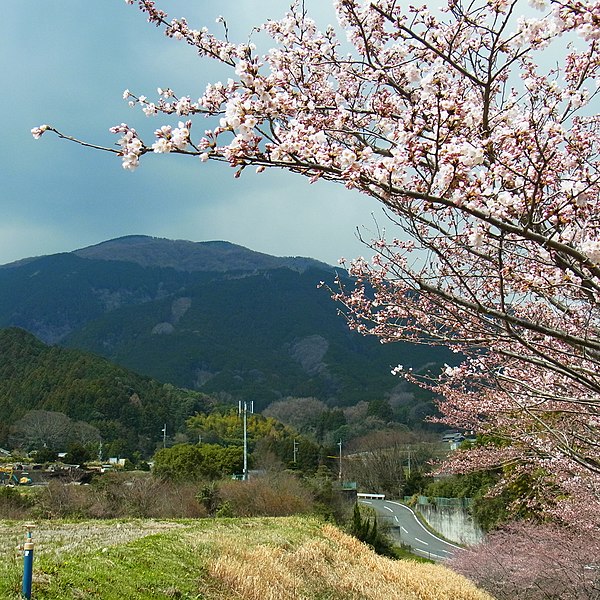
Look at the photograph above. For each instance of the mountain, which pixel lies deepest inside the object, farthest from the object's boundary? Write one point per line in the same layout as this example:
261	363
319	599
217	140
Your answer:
127	409
52	296
182	255
209	316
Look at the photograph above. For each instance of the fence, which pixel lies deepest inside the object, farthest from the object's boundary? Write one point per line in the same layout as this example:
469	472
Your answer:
439	502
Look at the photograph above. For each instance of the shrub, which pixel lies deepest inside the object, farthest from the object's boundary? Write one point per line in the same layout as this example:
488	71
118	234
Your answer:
59	500
117	495
365	529
526	561
14	504
276	495
141	495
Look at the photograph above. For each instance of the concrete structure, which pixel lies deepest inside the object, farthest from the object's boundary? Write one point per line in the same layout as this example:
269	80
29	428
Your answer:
451	518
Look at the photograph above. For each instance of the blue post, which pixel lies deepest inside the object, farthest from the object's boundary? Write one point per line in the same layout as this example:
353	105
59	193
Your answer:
27	564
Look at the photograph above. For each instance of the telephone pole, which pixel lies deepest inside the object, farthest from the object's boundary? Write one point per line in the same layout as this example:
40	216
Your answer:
243	410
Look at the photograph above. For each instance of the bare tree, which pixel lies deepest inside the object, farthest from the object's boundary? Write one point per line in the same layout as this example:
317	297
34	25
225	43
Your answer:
42	429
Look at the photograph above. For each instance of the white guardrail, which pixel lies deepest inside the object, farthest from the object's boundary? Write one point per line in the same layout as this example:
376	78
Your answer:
371	496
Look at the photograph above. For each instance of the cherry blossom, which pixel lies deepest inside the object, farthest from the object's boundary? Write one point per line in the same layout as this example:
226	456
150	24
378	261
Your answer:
525	560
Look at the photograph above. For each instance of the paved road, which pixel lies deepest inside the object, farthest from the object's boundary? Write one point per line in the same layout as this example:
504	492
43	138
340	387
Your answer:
407	529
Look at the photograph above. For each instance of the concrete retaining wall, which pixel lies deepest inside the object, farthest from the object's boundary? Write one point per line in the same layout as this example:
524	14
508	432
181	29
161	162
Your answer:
455	524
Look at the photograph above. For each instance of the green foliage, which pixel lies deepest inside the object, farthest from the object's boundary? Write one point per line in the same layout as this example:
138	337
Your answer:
186	462
469	485
45	455
14	504
225	511
365	528
523	495
308	453
329	504
487	511
357	527
126	409
416	482
209	497
491	509
77	454
225	428
330	420
380	409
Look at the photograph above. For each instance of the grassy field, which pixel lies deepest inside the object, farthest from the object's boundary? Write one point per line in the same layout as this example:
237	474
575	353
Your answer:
290	558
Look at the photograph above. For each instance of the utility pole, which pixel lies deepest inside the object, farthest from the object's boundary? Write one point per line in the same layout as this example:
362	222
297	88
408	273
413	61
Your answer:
295	450
164	432
243	410
340	473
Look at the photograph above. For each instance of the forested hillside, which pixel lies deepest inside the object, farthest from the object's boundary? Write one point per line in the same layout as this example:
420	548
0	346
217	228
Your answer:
214	317
127	409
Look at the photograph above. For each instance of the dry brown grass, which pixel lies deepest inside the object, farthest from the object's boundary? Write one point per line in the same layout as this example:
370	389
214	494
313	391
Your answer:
333	566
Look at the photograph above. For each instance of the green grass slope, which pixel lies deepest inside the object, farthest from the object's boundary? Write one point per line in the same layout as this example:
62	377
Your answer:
223	559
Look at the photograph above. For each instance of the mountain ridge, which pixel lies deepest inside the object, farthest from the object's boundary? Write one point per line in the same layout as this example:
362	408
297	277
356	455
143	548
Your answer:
257	328
184	255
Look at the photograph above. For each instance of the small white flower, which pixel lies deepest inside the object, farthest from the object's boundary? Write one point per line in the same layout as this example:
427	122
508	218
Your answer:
538	4
476	238
161	146
183	106
451	371
180	137
319	138
412	73
591	248
149	110
37	132
130	162
347	158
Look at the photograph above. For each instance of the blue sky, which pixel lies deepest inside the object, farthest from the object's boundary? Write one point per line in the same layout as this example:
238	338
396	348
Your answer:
66	63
